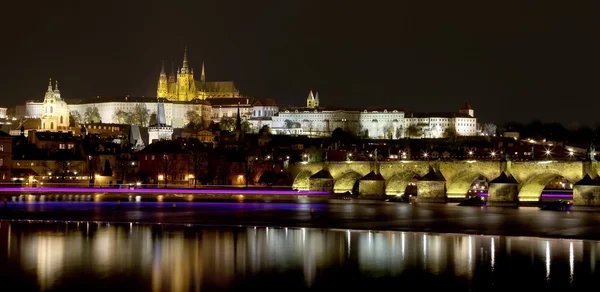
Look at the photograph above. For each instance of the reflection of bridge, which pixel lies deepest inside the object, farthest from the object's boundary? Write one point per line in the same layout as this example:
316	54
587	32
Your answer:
509	182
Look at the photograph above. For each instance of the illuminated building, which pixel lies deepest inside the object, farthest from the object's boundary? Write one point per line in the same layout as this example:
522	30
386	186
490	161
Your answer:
314	120
183	86
434	125
55	112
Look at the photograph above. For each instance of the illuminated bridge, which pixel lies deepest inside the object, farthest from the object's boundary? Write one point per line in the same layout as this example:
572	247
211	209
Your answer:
507	182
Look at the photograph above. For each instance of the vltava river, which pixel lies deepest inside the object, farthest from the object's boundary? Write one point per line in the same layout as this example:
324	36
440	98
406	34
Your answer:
106	257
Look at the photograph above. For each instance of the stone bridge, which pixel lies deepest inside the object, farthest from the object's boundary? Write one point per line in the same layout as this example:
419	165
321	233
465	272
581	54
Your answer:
509	181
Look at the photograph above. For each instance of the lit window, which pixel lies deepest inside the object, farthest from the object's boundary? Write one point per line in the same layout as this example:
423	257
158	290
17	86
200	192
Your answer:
1	147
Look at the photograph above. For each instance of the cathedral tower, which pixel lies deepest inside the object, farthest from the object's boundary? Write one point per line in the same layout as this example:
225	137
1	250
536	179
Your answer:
310	100
316	103
186	86
163	88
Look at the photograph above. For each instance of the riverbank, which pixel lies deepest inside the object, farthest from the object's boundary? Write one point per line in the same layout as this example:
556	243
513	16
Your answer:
432	218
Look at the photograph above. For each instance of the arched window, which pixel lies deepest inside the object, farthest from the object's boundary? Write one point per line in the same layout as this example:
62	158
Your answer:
51	125
51	110
44	125
61	119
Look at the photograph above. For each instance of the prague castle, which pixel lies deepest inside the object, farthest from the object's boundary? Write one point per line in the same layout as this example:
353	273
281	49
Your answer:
183	87
180	94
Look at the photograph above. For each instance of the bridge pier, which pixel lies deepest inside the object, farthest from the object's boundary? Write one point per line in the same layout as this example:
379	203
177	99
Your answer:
503	191
321	181
371	185
431	188
586	193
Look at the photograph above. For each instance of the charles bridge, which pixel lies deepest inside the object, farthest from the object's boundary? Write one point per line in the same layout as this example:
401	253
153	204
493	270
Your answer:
510	182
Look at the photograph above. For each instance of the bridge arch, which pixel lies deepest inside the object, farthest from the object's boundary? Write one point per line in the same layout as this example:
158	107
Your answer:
397	184
532	189
459	185
301	180
347	182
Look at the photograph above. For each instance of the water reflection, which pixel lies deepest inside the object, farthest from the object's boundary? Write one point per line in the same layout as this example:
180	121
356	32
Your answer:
163	258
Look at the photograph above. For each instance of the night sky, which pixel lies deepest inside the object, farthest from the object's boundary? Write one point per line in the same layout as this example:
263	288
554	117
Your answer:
513	61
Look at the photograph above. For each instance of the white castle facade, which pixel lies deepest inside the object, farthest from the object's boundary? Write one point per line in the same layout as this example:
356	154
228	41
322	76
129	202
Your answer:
312	120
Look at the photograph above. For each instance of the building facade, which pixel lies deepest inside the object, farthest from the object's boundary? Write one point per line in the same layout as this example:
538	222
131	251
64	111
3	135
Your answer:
316	121
439	125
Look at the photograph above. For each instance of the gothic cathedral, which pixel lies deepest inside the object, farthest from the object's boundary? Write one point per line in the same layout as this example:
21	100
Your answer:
183	86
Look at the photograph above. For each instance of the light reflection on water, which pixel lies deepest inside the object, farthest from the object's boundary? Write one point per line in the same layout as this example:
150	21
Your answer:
168	258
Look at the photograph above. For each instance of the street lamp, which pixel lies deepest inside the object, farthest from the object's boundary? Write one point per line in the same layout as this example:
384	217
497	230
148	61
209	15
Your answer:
470	153
493	154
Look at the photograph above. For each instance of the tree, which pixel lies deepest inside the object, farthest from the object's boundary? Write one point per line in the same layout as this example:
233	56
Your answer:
399	132
227	124
264	129
107	169
123	117
414	131
74	119
198	161
450	132
489	129
165	163
92	115
194	120
141	115
246	128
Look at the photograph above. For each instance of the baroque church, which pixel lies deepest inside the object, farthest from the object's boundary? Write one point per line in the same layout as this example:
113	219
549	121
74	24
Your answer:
183	87
55	111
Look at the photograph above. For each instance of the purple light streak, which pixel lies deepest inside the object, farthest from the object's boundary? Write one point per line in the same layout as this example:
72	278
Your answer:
159	191
568	196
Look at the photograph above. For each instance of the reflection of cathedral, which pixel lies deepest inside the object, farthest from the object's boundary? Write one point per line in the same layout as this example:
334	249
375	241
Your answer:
183	87
55	112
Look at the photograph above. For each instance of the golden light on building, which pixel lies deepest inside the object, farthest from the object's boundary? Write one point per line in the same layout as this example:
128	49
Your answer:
161	177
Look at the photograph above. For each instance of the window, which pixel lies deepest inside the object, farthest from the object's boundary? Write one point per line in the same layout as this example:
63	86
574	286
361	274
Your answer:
152	157
1	147
2	161
52	126
70	146
61	146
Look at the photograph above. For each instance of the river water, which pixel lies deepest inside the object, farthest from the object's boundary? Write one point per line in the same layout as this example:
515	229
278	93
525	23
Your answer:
81	256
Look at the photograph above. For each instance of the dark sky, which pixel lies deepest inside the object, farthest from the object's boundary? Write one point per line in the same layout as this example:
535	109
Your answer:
512	60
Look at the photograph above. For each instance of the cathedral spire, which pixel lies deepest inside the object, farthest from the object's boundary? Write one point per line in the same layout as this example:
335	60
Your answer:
56	85
202	76
184	67
49	84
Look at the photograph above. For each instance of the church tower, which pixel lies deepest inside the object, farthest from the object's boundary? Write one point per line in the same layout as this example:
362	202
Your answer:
163	88
186	86
310	100
316	103
467	109
55	112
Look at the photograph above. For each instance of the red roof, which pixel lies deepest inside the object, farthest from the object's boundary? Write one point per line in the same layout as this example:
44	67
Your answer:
466	106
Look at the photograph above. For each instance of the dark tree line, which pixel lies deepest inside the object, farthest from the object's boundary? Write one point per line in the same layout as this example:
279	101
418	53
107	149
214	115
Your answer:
553	131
